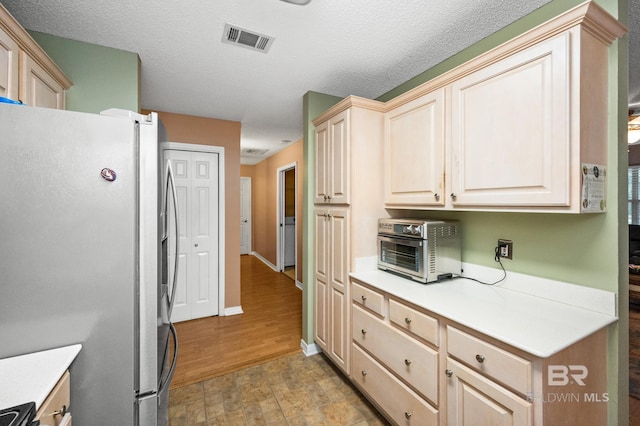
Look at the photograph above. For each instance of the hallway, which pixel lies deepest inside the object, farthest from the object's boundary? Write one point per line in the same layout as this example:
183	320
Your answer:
270	327
249	369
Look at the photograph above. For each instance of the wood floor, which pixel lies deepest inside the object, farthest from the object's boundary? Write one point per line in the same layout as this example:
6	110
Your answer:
269	328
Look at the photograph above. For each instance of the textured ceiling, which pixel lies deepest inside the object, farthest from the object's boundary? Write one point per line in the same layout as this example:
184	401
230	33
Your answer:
336	47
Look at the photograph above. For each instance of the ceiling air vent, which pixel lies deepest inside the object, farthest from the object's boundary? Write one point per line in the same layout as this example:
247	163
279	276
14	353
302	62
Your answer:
253	152
234	34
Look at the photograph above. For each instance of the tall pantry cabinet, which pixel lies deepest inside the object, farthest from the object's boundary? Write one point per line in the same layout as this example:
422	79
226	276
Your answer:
348	201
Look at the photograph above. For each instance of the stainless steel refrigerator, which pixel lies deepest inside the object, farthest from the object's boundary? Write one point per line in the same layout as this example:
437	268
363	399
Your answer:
83	255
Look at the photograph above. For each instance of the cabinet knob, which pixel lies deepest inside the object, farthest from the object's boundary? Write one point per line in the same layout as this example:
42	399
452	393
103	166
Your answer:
196	244
480	358
364	298
365	372
407	414
363	331
407	362
61	412
453	196
407	320
448	372
436	196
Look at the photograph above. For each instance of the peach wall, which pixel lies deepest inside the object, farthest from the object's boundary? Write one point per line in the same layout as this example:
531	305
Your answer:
214	132
264	208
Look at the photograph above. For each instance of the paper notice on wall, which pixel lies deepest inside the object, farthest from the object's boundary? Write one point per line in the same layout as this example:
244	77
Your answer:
594	181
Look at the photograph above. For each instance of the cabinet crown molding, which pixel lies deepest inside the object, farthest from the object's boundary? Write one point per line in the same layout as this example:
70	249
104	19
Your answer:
589	15
26	43
348	102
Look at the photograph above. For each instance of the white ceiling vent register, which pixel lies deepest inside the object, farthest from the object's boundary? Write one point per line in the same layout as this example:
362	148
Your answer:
253	152
234	34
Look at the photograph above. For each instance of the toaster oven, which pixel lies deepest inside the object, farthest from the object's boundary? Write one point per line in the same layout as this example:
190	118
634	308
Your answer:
423	250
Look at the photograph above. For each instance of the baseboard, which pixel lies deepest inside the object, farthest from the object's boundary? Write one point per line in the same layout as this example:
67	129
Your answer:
233	310
311	349
265	261
299	284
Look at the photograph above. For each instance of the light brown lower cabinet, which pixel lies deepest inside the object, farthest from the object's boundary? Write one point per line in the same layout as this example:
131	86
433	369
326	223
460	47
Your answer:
474	400
396	399
54	411
420	368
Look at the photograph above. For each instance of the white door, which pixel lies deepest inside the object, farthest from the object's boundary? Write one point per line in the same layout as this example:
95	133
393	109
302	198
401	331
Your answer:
245	215
196	177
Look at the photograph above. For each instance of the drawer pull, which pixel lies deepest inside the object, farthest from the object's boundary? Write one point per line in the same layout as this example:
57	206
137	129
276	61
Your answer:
407	414
363	331
480	358
365	372
407	320
61	412
448	372
407	362
364	298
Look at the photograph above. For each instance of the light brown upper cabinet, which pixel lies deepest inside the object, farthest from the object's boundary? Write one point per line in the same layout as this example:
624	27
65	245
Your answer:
513	129
414	152
27	73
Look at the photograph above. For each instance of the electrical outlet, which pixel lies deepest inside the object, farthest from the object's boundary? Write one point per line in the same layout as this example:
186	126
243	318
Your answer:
505	249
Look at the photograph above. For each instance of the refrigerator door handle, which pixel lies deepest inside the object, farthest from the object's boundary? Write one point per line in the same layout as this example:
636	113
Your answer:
171	184
164	383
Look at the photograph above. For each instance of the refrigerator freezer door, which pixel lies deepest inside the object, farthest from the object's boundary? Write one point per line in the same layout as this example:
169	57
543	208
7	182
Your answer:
68	250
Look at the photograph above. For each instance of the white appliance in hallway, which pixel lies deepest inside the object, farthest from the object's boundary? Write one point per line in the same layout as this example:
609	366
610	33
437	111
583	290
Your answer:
197	189
83	232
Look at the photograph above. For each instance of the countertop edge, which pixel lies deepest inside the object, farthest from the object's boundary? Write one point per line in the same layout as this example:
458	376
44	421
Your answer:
545	337
32	377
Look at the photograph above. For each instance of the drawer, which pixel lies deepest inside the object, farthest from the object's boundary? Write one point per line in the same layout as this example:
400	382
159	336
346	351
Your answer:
368	298
413	321
53	409
399	402
411	360
494	362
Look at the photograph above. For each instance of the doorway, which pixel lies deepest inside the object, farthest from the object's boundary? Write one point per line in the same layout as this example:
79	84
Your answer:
287	226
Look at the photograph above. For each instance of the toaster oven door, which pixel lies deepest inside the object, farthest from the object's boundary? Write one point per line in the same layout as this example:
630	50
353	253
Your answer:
402	255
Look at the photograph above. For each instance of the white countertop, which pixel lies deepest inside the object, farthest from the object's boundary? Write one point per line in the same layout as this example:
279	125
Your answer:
537	325
33	376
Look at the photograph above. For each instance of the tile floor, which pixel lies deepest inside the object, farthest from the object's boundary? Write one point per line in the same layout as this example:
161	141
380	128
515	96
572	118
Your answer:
294	390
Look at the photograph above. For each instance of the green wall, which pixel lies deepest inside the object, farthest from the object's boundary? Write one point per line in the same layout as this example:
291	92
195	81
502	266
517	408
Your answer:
589	250
102	77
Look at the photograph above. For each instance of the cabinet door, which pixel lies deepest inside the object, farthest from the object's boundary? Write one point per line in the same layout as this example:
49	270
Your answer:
414	152
9	67
475	400
510	130
322	163
339	128
321	277
37	87
339	299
